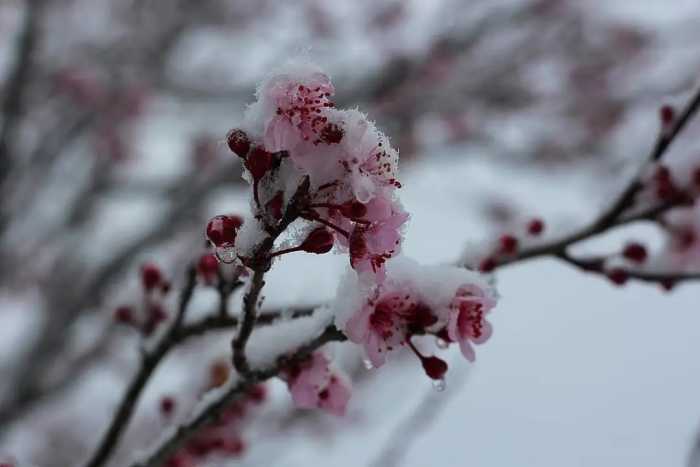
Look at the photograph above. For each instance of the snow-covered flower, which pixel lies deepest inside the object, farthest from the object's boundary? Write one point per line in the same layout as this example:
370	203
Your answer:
382	323
316	383
467	320
446	301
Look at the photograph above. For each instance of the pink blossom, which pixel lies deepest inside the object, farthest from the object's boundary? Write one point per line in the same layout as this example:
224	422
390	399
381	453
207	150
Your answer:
368	157
467	320
388	320
316	384
372	245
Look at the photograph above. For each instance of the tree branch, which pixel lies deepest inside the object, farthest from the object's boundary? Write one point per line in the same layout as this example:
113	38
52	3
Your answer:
172	443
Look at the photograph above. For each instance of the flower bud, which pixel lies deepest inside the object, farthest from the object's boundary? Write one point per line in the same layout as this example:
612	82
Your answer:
319	241
238	142
222	230
434	367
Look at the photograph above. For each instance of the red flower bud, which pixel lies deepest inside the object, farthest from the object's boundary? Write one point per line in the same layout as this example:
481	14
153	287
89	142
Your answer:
222	230
667	114
487	264
238	142
635	252
618	276
151	276
434	367
319	241
535	227
509	244
208	267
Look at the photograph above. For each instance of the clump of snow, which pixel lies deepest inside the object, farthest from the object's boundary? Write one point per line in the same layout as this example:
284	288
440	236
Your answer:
284	337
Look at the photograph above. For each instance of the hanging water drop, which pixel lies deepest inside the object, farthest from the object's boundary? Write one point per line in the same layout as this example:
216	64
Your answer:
226	254
368	364
441	343
439	385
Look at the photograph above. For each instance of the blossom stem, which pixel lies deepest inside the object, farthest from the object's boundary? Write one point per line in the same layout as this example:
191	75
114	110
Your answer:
315	217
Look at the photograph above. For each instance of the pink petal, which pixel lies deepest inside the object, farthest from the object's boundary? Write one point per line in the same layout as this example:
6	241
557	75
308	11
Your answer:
339	391
467	350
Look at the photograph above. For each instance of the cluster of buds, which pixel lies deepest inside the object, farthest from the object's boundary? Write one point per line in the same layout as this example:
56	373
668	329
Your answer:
508	244
152	312
293	132
223	437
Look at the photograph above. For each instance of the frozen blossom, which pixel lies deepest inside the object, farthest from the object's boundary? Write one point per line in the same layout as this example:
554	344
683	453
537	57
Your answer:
316	383
446	301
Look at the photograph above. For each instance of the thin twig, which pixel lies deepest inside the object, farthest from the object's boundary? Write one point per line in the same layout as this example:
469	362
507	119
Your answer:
593	265
20	77
614	215
260	263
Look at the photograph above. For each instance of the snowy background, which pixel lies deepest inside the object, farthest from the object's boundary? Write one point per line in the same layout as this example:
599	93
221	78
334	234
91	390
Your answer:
542	110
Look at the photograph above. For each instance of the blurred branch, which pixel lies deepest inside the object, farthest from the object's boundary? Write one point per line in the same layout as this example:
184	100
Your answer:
172	443
176	335
613	216
149	362
12	106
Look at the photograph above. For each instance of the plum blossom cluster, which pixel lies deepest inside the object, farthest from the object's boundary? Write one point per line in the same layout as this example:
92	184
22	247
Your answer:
295	131
152	311
294	137
224	438
448	302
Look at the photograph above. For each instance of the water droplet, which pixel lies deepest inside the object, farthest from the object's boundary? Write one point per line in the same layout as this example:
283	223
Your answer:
441	343
368	364
439	385
226	254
